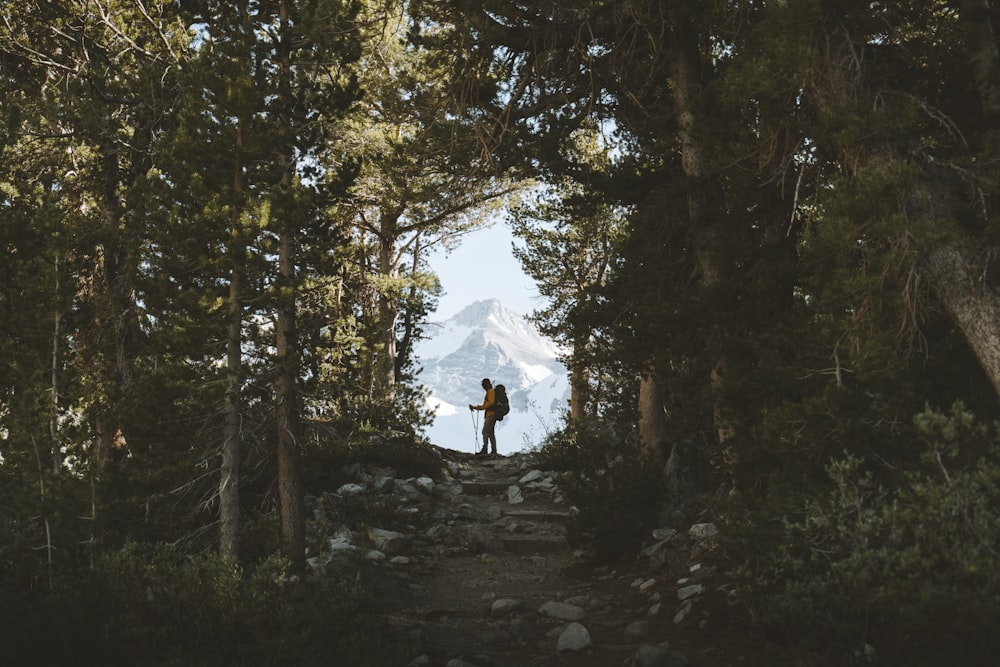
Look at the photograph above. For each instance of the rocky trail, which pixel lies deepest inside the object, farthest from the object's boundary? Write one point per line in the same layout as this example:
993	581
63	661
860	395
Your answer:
481	575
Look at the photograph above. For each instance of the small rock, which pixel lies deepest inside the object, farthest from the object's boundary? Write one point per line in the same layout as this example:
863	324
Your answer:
532	476
424	485
351	489
514	495
504	606
341	544
703	531
574	638
562	611
646	585
405	488
689	591
683	613
388	541
654	548
374	555
663	534
437	532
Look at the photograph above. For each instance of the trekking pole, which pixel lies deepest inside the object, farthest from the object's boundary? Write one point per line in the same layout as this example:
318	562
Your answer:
475	430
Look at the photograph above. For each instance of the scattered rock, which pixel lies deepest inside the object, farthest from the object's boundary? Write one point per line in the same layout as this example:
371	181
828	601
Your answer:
703	531
505	606
514	495
352	489
424	485
532	476
689	591
389	541
562	611
573	639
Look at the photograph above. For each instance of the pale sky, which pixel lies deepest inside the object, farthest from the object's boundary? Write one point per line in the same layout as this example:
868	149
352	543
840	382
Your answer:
483	267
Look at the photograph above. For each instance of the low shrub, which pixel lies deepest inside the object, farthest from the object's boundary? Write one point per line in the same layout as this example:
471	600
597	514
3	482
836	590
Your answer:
151	605
609	483
905	572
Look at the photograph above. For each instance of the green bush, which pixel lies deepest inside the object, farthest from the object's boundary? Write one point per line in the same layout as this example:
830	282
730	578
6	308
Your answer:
608	482
907	570
153	605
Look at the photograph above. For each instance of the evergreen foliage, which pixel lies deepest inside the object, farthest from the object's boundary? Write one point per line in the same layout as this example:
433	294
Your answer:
775	224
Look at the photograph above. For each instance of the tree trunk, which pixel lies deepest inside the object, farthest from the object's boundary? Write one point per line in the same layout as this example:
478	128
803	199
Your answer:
957	277
984	59
56	450
704	193
958	273
117	309
290	492
652	421
579	380
405	347
388	310
289	472
229	474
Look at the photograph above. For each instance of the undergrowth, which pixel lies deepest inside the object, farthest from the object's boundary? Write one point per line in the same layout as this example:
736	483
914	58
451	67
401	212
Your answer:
901	574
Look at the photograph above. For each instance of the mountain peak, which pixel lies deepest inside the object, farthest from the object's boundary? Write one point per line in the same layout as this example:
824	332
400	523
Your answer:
480	311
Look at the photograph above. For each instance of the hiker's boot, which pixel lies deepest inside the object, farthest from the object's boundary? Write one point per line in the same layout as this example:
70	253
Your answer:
482	452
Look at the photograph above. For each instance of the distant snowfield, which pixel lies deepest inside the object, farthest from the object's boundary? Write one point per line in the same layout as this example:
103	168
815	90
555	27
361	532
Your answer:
487	340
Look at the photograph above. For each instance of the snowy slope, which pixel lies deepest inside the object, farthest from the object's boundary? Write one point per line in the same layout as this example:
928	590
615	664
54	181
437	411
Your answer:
487	340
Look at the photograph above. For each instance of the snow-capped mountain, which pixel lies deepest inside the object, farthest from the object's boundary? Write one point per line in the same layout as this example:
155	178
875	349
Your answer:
488	340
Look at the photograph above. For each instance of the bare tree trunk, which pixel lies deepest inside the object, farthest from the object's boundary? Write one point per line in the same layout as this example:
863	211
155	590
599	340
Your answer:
229	474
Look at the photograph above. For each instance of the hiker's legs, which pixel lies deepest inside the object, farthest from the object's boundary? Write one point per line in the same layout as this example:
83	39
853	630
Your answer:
486	436
489	434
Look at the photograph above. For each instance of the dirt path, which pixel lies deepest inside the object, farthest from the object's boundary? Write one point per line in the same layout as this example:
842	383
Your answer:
518	554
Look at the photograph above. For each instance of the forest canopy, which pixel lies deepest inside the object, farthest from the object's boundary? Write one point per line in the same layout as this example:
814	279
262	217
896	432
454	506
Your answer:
766	231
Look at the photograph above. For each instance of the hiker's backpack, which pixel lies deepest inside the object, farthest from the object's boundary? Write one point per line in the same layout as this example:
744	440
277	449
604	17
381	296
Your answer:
501	406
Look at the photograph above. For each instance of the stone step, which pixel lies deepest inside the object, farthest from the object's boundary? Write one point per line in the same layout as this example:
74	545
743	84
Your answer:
539	515
483	488
525	545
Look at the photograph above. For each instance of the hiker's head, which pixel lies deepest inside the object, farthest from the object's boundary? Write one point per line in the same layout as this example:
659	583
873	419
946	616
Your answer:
486	383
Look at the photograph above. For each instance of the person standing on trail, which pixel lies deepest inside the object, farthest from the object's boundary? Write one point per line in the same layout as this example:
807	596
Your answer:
490	420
